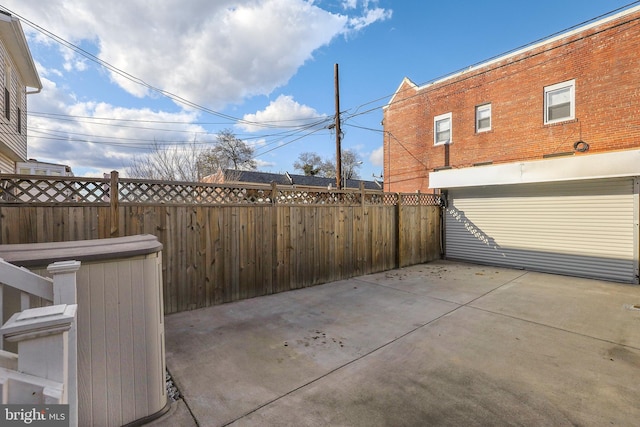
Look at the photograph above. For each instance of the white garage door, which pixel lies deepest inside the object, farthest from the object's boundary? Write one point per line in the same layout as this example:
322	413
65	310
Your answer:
581	228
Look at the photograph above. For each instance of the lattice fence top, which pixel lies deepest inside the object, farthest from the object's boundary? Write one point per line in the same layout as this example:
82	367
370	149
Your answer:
34	189
419	199
73	190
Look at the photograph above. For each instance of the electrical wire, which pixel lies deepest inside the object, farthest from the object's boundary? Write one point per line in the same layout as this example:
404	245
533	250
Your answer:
174	97
347	115
240	136
75	117
62	135
444	76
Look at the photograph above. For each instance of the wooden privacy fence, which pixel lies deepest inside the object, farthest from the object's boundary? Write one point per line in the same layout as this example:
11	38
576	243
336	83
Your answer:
224	242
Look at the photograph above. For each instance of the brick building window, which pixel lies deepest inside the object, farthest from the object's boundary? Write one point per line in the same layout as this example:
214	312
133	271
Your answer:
442	132
559	102
483	118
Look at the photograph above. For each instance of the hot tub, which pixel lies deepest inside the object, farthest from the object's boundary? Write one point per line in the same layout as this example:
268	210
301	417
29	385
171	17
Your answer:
121	364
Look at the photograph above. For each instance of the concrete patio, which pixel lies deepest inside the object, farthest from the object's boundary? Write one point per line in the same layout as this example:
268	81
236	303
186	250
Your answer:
436	344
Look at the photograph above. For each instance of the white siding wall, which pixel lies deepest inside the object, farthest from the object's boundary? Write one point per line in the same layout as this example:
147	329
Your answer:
12	143
6	164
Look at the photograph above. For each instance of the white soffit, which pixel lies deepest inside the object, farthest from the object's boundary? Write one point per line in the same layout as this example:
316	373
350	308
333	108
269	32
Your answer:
17	47
607	165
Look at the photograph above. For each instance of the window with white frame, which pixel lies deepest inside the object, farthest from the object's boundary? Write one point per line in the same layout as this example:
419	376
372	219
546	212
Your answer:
560	102
483	118
442	132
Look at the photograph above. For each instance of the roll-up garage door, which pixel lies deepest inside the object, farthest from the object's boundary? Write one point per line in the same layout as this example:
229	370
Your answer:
583	228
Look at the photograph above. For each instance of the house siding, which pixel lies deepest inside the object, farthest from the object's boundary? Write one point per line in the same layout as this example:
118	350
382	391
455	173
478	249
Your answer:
6	164
604	61
12	144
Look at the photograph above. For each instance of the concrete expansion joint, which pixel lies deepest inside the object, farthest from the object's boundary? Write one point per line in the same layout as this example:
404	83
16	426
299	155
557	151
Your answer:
377	348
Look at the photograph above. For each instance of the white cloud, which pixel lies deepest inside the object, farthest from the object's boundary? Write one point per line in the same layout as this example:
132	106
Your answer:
284	111
211	53
47	72
97	136
371	16
262	164
377	156
73	62
349	4
214	53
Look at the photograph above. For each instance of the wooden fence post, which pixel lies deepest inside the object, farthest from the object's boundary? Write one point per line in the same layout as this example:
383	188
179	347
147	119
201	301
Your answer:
399	226
274	237
113	204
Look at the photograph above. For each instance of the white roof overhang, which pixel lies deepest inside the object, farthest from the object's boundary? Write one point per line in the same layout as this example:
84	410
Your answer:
16	44
614	164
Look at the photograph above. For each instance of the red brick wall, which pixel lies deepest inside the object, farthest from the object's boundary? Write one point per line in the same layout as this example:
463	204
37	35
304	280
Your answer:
605	63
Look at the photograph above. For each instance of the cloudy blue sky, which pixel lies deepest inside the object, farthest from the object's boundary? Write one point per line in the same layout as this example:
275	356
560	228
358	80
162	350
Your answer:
122	75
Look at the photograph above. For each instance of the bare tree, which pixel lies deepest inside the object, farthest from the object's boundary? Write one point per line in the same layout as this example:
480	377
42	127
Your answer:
312	162
167	163
309	163
350	164
328	168
230	152
190	162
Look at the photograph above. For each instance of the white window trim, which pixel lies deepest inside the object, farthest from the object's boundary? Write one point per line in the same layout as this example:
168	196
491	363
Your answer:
572	107
436	119
481	108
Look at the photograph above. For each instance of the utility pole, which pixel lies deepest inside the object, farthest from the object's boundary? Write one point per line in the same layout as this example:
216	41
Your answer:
338	132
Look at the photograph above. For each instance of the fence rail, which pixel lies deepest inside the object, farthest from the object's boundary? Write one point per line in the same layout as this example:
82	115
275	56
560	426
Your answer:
227	242
98	191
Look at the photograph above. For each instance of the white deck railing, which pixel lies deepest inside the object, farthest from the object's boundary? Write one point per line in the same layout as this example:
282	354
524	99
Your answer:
44	371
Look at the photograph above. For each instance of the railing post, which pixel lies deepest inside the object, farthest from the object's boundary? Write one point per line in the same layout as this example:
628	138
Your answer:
65	292
44	351
64	281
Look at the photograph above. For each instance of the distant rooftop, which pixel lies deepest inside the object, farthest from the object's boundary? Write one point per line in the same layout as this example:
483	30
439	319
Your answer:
293	179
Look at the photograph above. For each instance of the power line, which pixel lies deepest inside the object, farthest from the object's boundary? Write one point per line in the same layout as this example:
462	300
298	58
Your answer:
70	117
154	129
315	123
62	133
444	76
273	124
176	98
288	142
142	143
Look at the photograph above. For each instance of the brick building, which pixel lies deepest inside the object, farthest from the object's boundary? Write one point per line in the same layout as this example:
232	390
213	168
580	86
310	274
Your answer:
536	151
